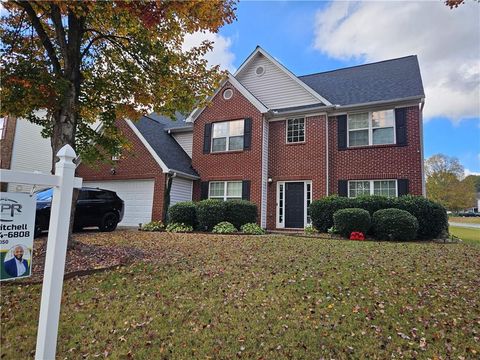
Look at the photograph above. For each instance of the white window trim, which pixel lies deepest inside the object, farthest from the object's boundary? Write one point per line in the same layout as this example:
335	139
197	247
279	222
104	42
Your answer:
371	128
304	130
281	225
224	197
371	186
227	138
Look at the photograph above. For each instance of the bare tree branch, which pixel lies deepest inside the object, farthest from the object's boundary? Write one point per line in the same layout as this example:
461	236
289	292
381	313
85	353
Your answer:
59	29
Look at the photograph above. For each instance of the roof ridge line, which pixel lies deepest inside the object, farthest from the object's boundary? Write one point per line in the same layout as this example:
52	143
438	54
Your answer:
356	66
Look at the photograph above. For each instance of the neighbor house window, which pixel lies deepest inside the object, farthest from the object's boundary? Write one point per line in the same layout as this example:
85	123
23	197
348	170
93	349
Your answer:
227	136
372	187
3	127
225	190
295	130
371	128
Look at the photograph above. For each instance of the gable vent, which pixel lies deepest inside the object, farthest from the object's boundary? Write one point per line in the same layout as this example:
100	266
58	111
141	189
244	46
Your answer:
260	70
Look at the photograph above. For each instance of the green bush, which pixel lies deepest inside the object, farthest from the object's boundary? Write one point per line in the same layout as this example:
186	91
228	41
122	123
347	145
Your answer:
310	230
432	217
224	227
394	224
179	228
153	226
183	212
351	219
321	211
253	229
240	212
209	213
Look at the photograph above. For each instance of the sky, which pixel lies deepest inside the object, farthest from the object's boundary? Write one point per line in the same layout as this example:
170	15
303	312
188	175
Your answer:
314	36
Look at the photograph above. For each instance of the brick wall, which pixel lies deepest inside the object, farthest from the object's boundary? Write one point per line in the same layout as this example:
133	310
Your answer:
379	162
6	146
136	164
297	161
237	165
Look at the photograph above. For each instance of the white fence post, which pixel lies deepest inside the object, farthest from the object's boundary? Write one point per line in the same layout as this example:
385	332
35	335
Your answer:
56	253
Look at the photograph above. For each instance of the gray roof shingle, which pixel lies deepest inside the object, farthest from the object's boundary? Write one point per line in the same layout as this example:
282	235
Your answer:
152	128
381	81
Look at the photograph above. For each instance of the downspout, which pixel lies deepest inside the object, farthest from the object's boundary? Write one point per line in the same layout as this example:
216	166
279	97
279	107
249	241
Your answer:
424	188
166	195
326	156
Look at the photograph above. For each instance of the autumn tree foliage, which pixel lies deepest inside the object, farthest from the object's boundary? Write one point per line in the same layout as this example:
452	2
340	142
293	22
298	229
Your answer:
89	61
445	183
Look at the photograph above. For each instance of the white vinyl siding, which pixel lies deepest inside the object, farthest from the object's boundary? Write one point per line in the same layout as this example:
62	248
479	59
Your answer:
274	88
31	152
181	190
185	140
137	196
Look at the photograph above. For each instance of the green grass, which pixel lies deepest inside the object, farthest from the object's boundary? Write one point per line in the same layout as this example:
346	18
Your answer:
468	235
271	297
464	220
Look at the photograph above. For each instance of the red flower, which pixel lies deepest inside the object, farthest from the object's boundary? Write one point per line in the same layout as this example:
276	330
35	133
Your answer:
357	235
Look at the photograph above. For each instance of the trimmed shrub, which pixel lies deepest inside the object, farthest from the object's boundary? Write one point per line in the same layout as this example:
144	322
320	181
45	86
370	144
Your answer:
179	228
310	230
321	211
183	212
224	228
209	213
253	229
351	220
373	203
432	217
153	226
240	212
394	224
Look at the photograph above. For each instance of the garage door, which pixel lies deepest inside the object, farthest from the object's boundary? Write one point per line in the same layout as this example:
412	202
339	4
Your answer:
137	196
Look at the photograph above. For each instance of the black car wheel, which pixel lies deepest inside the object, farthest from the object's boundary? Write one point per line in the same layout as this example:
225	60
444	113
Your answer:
109	222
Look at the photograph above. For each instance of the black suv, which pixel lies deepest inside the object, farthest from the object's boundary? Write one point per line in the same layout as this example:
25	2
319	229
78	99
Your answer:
95	207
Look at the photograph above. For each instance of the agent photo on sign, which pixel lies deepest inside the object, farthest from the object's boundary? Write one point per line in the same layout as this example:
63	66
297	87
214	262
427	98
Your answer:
17	265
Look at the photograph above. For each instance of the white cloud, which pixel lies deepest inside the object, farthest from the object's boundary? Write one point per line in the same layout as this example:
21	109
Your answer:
446	41
469	172
221	53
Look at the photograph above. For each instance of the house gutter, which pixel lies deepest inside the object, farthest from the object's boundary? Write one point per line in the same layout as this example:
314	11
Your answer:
422	156
179	129
182	174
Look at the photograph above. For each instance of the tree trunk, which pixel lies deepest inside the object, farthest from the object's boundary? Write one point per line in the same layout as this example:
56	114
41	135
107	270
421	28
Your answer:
65	123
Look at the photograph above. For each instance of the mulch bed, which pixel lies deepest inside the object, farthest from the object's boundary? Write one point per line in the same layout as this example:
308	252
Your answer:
82	259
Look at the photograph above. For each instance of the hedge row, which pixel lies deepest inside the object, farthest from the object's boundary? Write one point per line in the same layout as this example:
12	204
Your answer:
205	214
432	217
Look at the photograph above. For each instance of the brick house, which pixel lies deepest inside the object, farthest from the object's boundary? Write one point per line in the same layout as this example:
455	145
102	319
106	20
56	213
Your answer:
282	140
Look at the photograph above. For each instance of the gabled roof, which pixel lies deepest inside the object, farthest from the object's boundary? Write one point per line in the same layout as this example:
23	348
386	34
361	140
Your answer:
171	156
259	50
393	79
237	85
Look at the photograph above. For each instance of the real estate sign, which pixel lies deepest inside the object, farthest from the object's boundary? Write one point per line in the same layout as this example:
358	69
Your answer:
17	227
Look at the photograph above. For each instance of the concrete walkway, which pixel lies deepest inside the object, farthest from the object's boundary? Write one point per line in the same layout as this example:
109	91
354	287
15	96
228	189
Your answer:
464	225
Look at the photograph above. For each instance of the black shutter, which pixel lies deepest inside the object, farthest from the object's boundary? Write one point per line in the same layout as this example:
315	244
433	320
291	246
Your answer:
402	187
247	134
204	190
342	131
207	138
246	190
343	187
401	126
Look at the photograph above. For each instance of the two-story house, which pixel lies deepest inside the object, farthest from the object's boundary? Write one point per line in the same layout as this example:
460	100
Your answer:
282	140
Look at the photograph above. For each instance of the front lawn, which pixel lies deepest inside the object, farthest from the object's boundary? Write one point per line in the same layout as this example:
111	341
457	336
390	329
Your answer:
464	220
469	235
267	297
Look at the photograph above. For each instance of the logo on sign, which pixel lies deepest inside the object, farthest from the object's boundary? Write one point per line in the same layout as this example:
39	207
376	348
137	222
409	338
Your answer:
8	209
